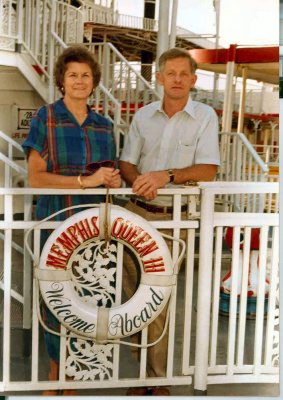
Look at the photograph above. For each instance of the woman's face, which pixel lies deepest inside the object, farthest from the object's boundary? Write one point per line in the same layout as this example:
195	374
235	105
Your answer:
78	81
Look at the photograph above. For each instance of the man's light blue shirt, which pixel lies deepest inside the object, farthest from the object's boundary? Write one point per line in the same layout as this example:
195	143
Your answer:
156	142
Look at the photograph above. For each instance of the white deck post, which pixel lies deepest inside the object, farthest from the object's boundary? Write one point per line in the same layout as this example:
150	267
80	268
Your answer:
204	291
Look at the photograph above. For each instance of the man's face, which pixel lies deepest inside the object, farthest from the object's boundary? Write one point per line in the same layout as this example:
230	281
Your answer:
176	78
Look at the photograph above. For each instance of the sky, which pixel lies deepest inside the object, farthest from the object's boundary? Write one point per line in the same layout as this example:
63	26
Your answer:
242	22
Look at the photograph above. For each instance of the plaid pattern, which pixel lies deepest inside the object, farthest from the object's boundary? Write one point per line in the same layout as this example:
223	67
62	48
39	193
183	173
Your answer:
67	148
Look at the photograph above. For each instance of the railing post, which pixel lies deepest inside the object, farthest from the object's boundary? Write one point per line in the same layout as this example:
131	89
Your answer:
7	261
51	51
204	292
20	22
239	148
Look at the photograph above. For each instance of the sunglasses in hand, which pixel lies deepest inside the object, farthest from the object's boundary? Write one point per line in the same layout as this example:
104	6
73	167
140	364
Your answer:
94	166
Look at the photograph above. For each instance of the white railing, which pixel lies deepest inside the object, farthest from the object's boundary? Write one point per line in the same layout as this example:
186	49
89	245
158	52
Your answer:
34	23
240	162
12	169
45	29
236	364
39	19
8	24
202	362
102	15
125	83
108	105
269	153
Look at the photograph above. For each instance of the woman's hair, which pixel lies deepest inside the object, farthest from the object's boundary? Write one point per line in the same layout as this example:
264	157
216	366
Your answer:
75	54
176	52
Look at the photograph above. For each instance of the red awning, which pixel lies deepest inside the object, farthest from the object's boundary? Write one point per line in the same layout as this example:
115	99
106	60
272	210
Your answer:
262	63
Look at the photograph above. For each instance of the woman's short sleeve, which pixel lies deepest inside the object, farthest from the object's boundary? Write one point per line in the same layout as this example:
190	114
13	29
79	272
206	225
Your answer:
37	136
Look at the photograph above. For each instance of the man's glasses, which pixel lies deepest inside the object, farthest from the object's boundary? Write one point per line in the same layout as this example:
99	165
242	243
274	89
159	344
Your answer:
94	166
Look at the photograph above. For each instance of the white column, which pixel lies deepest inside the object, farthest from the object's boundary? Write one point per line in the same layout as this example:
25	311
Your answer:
173	33
163	28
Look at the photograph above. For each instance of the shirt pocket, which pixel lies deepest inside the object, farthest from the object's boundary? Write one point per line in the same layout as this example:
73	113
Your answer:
185	154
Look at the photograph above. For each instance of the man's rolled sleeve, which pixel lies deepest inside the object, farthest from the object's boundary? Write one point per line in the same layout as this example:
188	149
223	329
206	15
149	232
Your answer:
207	151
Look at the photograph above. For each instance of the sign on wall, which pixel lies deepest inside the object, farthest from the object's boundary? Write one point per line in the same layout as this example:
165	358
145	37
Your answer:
21	120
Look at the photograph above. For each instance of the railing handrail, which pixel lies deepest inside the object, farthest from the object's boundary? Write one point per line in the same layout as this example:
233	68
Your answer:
209	227
122	58
11	141
12	164
59	40
216	187
263	166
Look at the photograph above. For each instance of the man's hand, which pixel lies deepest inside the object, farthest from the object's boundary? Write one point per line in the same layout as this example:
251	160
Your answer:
146	185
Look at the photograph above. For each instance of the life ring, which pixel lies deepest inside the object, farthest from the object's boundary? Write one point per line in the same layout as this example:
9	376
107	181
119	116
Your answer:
56	276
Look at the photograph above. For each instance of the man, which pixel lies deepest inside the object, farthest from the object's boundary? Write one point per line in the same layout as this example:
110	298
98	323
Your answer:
169	143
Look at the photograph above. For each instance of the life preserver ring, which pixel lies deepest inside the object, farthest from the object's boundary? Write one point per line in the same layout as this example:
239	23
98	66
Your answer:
56	278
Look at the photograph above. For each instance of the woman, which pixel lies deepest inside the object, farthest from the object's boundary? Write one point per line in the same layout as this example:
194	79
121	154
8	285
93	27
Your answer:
64	138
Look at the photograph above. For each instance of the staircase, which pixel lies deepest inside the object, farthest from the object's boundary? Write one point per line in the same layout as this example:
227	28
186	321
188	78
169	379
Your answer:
34	32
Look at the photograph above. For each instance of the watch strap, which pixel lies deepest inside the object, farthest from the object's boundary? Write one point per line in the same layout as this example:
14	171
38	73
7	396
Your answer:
171	175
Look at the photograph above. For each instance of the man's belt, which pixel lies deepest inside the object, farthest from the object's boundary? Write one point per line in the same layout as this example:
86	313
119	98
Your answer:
156	209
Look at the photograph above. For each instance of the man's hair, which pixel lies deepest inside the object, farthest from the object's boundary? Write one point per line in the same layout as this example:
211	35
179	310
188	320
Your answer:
75	54
176	52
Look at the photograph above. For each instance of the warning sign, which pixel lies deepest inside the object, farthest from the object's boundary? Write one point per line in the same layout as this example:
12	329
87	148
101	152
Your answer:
24	117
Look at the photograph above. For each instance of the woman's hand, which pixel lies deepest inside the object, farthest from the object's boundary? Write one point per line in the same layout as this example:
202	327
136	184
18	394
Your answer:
104	176
115	180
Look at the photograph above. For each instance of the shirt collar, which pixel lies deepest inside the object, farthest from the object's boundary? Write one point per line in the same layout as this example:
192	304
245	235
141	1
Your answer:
189	107
62	109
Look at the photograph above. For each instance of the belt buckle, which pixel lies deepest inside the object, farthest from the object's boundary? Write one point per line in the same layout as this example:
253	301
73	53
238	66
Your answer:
167	209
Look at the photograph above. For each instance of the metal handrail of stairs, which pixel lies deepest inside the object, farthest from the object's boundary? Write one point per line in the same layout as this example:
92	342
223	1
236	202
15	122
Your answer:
8	159
45	29
10	166
241	163
126	84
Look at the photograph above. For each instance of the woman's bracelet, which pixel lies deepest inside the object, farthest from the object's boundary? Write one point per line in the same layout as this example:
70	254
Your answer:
80	182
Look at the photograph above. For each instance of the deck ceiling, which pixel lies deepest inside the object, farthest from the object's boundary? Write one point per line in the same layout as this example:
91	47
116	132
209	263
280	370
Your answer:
131	42
263	72
261	63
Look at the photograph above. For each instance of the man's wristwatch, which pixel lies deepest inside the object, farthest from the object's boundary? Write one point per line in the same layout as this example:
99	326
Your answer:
171	175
